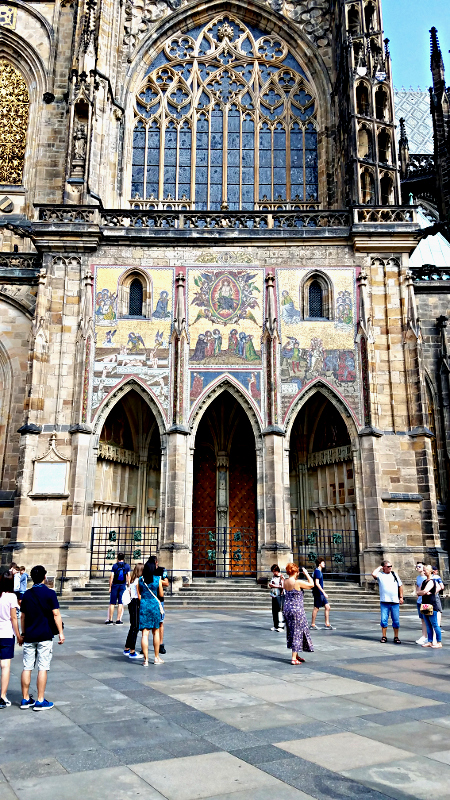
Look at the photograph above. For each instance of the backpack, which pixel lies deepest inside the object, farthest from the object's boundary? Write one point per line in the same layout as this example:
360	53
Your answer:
120	573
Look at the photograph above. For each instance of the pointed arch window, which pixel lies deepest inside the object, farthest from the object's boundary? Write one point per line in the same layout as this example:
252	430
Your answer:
136	298
315	300
14	111
225	119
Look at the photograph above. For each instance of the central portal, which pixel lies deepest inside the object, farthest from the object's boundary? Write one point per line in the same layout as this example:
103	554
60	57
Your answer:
224	492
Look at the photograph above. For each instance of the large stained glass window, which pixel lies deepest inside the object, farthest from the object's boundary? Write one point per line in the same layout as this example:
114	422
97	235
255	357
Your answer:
225	118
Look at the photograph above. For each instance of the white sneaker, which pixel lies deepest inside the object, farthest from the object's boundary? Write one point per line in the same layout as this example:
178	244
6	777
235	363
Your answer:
422	640
274	629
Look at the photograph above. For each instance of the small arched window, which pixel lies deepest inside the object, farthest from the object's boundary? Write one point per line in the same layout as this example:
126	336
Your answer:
136	298
315	300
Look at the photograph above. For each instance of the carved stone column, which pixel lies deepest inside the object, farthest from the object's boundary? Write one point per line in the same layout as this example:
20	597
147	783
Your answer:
175	535
276	545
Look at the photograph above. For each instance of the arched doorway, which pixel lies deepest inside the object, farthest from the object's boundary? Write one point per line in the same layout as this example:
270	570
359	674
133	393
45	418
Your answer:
224	492
127	485
322	489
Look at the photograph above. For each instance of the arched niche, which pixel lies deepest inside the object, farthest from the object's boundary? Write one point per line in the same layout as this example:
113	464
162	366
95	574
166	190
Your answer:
362	99
367	187
382	104
353	20
365	143
128	280
322	486
224	503
313	281
370	17
384	146
127	483
386	189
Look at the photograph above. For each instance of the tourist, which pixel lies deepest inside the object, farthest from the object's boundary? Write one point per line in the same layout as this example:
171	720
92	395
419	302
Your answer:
419	580
133	608
297	630
41	621
162	573
23	582
15	572
428	592
276	593
391	598
439	590
150	593
118	581
8	629
320	596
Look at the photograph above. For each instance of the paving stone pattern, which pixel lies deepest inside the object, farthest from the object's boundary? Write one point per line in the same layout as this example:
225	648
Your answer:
227	716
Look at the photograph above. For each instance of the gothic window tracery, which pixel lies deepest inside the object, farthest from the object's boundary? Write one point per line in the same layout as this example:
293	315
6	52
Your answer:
14	109
225	118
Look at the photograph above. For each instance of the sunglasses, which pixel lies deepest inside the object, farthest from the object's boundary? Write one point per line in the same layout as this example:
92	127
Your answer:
388	566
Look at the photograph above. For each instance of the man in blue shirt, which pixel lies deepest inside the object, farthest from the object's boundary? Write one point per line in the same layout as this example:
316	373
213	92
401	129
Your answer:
320	597
118	581
40	621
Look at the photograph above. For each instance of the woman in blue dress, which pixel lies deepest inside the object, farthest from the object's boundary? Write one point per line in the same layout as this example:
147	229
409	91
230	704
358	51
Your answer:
150	594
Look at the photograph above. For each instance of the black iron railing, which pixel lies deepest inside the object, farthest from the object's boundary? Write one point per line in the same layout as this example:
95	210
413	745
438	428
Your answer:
137	544
224	552
339	548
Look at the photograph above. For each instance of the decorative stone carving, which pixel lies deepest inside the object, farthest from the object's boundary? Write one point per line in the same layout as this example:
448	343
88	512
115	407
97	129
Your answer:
79	150
312	16
14	108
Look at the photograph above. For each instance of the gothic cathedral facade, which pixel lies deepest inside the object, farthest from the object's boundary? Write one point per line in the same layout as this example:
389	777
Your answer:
209	343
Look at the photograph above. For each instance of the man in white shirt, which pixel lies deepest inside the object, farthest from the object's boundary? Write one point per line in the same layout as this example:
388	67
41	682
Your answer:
391	597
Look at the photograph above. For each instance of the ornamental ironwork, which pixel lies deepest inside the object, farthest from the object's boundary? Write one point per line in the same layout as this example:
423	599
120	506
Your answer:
14	109
225	119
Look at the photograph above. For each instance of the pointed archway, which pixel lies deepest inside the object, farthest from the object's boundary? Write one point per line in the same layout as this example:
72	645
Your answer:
224	492
127	484
322	488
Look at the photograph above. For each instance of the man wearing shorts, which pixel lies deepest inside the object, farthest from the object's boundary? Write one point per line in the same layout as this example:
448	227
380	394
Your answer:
391	598
320	596
40	620
118	581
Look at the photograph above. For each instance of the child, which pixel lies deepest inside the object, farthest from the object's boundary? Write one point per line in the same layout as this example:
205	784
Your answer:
276	592
133	608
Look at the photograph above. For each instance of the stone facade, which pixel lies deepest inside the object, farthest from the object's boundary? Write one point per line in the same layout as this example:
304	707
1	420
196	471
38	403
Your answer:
211	290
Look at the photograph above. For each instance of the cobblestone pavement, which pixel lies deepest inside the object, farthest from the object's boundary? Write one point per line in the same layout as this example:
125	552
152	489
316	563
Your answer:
227	716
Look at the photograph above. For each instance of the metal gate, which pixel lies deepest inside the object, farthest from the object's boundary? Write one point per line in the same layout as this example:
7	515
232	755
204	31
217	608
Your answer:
339	549
136	543
224	552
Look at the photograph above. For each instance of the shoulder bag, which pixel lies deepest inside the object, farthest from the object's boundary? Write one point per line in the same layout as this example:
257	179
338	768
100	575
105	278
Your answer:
157	600
126	597
427	609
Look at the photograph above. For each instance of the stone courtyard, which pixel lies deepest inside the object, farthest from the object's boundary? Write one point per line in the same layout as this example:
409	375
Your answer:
227	716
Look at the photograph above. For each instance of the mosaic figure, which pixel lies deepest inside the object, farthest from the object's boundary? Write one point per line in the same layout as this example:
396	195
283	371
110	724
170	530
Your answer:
289	313
109	335
105	307
344	315
225	297
134	342
161	311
